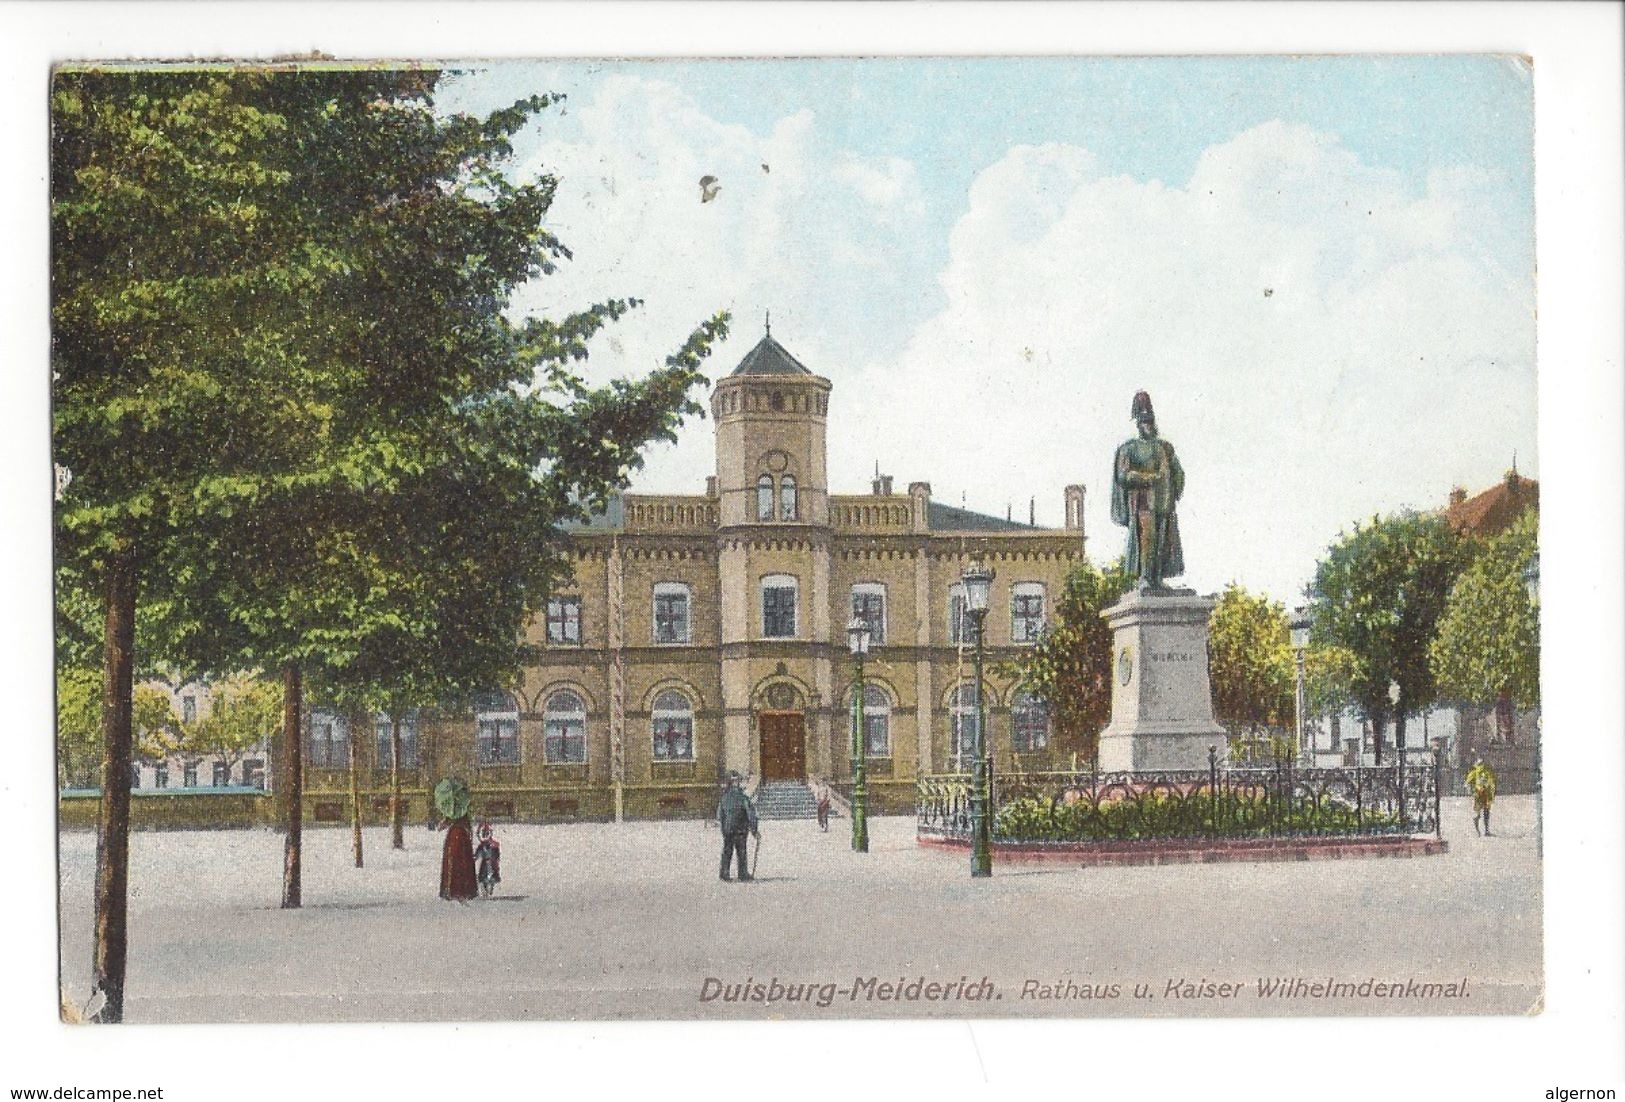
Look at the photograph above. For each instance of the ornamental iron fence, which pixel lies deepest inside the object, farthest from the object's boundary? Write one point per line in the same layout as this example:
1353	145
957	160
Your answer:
1281	800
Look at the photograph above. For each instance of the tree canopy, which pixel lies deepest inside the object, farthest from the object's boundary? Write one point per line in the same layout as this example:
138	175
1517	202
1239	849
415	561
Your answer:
1378	594
1250	661
1071	666
1488	644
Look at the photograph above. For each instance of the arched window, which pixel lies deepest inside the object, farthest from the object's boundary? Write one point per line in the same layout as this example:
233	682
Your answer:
671	613
876	720
384	740
1026	612
787	498
329	746
778	606
672	720
496	729
1029	723
564	728
764	497
962	721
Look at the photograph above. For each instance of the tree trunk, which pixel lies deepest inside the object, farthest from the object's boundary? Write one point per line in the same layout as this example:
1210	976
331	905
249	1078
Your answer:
355	797
293	758
113	825
1378	721
397	835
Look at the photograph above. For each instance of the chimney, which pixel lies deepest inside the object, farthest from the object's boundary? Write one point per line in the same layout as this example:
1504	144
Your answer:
881	486
1457	495
920	495
710	485
1032	512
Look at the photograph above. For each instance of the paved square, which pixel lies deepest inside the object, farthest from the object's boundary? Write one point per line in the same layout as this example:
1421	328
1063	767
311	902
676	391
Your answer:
630	920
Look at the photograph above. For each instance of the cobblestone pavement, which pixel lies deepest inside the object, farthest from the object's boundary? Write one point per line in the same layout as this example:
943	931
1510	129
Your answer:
631	921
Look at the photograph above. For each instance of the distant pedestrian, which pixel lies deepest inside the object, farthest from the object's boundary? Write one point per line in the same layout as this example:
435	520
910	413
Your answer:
823	807
1481	783
488	861
736	816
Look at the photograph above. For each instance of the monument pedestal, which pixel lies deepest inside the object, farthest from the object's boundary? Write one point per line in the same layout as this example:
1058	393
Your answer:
1162	703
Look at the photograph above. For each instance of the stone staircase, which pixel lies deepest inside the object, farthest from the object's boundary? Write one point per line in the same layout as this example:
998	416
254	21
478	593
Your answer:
787	800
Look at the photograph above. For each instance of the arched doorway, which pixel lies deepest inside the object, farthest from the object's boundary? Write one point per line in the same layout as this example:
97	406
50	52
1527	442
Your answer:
781	732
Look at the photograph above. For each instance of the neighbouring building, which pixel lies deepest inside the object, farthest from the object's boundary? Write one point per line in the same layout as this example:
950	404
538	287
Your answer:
705	633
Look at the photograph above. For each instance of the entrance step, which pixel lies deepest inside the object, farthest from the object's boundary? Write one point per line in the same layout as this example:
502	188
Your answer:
786	800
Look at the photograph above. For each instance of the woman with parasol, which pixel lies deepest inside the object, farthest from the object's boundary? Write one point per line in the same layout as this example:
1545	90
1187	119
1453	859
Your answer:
457	879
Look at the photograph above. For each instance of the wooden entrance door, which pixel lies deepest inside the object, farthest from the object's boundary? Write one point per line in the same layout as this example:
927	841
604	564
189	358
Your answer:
784	745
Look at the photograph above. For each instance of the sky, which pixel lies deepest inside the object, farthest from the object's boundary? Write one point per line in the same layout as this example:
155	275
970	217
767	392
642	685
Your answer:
1321	268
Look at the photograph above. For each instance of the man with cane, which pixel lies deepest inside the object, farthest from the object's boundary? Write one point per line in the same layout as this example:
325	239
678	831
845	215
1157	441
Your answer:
736	815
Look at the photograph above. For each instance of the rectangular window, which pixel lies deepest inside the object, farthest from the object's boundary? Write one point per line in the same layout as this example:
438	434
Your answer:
254	773
1027	613
564	740
497	742
160	775
188	709
564	621
189	775
869	605
329	744
671	617
385	744
222	774
673	738
779	612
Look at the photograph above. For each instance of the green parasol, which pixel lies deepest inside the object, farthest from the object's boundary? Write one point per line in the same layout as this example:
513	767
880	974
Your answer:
452	798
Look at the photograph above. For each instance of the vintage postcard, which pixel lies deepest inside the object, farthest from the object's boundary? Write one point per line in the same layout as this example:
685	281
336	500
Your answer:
796	539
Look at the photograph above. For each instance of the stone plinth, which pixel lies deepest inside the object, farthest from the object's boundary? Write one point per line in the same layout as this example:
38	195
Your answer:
1162	704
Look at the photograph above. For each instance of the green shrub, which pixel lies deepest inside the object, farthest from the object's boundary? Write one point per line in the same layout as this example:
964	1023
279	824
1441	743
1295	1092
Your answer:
1238	814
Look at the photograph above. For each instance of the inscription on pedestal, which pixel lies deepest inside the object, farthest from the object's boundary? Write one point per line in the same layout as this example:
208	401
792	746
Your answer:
1162	705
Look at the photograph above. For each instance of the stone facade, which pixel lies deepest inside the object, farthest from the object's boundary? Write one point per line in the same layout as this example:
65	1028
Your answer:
705	633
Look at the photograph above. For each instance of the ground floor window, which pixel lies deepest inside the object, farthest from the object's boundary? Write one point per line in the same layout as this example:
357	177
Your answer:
876	721
496	730
1029	723
564	728
672	720
329	742
963	723
383	731
222	774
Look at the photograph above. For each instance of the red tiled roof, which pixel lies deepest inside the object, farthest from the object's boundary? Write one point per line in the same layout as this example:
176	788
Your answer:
1496	508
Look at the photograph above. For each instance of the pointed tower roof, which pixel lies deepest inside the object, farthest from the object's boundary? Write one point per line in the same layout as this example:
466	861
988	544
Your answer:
769	357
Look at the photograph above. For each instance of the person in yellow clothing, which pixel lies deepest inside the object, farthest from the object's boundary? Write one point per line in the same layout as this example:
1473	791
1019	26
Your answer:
1481	783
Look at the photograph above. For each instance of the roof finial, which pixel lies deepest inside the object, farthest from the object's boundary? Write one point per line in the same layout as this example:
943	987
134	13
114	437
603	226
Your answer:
767	323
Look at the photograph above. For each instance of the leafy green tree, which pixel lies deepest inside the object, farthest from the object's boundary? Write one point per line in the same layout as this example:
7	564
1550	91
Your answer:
244	712
78	724
1250	662
279	301
1378	594
1488	645
156	726
1071	666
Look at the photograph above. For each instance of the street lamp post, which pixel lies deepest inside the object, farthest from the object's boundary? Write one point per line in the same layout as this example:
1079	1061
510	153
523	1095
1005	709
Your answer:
1399	751
857	640
1531	582
977	580
1300	644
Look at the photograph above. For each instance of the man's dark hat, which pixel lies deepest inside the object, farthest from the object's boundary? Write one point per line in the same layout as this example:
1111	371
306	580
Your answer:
1141	409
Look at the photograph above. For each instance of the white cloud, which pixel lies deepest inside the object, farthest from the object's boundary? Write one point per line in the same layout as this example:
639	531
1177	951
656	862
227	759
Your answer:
796	227
1319	342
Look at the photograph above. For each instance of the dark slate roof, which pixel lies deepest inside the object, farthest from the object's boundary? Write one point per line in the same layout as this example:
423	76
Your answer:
1496	508
946	518
769	358
613	516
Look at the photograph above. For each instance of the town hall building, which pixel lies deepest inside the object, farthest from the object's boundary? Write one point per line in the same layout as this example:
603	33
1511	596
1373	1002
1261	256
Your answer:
706	633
